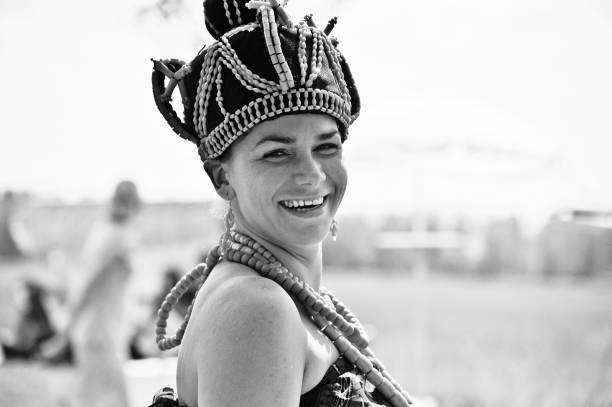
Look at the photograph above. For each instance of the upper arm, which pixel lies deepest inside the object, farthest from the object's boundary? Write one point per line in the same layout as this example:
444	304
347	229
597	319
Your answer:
251	350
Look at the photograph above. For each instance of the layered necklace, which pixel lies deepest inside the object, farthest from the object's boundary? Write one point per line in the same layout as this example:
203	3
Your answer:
329	314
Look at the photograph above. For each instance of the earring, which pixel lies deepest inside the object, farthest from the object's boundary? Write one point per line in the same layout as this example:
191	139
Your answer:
333	229
225	240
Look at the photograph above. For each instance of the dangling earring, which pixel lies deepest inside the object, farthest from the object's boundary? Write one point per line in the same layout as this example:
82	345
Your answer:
225	240
334	229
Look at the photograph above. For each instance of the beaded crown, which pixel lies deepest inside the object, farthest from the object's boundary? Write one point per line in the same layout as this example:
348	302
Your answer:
261	66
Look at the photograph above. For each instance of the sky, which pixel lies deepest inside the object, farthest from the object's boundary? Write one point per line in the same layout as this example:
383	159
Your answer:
476	106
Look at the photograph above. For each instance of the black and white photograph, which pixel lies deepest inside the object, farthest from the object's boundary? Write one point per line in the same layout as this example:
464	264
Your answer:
306	203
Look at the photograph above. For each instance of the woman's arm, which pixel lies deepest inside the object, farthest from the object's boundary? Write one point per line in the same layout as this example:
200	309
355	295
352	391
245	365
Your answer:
252	351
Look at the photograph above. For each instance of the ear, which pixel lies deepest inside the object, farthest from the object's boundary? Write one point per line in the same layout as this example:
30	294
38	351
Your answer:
217	173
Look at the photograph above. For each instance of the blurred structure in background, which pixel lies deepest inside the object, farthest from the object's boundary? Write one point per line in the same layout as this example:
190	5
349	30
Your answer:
8	245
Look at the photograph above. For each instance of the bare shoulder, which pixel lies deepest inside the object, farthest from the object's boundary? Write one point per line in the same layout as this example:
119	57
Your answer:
242	293
247	341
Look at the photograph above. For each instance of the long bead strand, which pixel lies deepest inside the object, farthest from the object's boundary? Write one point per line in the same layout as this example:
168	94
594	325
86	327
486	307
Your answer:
332	324
199	272
332	317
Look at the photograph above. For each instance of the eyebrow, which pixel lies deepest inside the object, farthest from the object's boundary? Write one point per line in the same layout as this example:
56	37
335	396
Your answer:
277	138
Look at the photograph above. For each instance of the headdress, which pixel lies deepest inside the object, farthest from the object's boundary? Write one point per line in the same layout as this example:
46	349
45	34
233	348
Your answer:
261	66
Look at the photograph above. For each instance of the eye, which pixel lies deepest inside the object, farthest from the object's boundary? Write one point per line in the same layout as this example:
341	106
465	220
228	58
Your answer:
329	148
275	155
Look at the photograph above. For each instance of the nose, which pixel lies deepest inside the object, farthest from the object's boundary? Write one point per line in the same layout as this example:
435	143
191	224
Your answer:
309	171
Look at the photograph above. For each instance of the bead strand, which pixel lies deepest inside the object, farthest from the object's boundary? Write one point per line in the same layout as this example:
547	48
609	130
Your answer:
250	76
345	312
200	271
335	65
353	319
383	383
238	15
332	324
219	95
227	12
313	300
317	57
302	58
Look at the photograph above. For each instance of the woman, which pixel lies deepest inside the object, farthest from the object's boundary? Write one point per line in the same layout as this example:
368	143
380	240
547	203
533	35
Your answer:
269	105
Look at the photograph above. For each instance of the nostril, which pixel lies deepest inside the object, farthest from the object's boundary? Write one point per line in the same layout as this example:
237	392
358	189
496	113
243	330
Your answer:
310	172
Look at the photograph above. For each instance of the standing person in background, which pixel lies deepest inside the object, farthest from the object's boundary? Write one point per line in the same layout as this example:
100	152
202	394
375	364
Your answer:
97	326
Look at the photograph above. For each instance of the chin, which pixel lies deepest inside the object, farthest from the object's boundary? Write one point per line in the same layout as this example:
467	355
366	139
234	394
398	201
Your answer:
307	236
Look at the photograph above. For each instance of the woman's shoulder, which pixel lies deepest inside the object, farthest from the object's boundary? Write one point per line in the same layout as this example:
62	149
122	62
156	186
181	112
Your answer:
238	286
247	326
240	301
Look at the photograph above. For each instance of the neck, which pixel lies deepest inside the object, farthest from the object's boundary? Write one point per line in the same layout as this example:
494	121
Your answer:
305	262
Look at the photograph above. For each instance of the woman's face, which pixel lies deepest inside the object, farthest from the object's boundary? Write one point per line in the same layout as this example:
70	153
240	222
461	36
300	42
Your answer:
288	178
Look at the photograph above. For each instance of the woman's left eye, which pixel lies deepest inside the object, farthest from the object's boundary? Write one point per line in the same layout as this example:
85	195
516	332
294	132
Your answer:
328	148
275	155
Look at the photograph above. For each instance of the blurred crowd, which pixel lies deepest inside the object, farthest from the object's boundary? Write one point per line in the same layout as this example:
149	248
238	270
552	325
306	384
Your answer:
60	311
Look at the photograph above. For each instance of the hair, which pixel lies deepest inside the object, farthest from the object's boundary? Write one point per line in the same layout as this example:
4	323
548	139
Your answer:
125	202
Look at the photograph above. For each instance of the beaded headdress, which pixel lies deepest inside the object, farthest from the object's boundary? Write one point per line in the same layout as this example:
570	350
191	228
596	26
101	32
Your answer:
261	66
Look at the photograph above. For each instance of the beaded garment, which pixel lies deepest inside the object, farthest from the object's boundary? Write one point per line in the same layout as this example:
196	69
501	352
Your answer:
261	66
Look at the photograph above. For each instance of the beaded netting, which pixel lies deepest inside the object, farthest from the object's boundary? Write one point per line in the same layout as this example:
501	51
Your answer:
332	317
261	66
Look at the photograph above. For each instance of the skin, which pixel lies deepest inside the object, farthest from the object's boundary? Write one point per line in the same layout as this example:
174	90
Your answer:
248	342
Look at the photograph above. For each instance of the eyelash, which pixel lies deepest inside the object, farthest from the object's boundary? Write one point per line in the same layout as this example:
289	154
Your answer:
280	154
275	154
336	147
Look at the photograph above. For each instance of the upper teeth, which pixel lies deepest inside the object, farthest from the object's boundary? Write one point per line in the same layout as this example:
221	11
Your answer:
303	202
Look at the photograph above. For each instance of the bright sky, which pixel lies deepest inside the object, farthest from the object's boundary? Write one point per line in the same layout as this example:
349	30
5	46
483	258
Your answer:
481	106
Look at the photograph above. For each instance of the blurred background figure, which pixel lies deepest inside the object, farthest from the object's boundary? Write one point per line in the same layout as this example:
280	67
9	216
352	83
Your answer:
141	344
9	246
34	326
96	326
20	291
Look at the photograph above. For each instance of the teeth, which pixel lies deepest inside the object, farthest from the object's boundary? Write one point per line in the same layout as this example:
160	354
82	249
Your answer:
296	203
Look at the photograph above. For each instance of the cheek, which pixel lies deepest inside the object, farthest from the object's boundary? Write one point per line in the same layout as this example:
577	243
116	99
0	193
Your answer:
254	186
339	176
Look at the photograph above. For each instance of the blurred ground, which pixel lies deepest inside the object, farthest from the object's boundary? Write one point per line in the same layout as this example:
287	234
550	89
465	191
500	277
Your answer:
490	343
466	342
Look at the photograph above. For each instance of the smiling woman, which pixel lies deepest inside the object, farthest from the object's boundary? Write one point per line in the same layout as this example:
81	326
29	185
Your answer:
269	105
287	178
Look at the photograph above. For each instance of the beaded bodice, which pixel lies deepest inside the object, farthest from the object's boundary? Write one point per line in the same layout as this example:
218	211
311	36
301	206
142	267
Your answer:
343	386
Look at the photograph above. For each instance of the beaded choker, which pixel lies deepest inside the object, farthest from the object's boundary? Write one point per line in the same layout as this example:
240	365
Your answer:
332	317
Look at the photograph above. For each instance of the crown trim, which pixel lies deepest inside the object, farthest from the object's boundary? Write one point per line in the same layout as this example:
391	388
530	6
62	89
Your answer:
269	106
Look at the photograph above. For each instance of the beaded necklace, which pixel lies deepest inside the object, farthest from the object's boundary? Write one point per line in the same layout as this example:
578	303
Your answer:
330	315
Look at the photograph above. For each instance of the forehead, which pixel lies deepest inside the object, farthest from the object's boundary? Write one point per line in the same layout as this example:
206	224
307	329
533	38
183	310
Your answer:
300	127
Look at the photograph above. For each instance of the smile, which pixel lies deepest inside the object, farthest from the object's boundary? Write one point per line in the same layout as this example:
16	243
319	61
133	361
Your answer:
303	205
